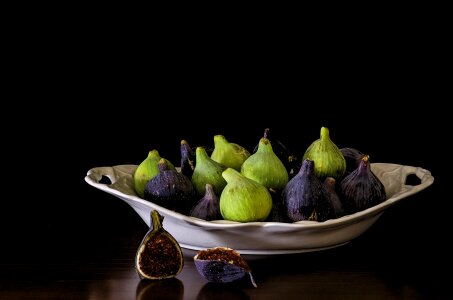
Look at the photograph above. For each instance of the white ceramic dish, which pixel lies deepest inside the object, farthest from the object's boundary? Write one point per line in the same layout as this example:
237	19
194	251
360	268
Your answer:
263	238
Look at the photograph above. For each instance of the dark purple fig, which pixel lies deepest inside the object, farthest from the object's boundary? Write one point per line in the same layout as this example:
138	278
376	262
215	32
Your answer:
332	196
352	157
222	265
304	198
208	207
170	189
361	189
288	159
278	211
187	159
159	255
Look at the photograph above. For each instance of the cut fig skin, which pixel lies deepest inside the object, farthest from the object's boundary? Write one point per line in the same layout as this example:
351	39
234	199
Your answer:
159	255
222	265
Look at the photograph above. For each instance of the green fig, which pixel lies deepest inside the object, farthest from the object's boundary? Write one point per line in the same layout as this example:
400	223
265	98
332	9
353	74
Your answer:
265	167
328	159
159	255
146	171
209	171
244	199
283	153
229	154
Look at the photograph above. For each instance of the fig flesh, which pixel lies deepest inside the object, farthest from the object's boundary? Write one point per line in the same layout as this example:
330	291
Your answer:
159	255
222	265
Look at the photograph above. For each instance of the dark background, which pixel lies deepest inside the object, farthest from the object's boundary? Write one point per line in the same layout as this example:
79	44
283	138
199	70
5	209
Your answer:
95	110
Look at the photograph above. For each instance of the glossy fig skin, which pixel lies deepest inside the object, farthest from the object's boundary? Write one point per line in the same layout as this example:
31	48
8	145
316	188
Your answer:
171	189
304	196
244	199
265	167
328	159
361	189
331	195
146	171
229	154
208	207
159	255
352	157
187	159
222	265
288	159
206	171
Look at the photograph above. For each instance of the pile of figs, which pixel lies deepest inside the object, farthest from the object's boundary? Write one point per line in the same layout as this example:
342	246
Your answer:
268	184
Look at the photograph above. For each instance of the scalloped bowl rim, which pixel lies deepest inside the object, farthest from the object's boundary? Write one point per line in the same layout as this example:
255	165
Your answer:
424	175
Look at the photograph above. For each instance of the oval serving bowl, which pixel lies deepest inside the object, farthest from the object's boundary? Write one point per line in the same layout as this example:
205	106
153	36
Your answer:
263	238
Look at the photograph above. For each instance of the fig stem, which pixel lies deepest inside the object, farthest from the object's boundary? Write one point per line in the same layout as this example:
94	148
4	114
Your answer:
156	220
324	133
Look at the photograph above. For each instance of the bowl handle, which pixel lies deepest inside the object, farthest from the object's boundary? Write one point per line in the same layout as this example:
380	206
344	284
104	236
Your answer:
426	179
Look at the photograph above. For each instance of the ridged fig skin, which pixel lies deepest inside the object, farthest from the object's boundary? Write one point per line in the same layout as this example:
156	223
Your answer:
244	199
265	167
331	195
146	171
361	189
187	159
226	266
352	157
283	153
229	154
328	159
304	196
171	189
208	207
206	171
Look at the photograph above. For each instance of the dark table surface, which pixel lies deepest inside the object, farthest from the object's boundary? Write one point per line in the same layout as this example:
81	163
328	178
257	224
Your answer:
64	239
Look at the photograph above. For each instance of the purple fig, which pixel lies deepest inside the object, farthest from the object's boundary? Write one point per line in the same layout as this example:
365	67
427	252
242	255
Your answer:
332	196
187	159
361	189
352	157
222	265
304	198
208	207
170	189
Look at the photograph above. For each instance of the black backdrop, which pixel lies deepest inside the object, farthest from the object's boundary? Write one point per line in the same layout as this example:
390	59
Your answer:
108	116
